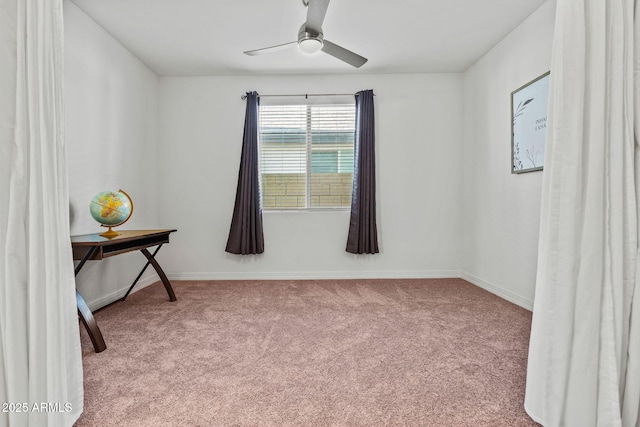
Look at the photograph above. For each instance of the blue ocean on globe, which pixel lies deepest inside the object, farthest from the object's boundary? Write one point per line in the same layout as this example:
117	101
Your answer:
111	208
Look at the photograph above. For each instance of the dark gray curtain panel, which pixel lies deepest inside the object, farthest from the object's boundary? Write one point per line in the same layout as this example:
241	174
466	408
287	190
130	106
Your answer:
245	236
363	232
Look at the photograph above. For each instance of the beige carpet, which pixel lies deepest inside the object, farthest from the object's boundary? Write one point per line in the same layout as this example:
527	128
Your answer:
309	353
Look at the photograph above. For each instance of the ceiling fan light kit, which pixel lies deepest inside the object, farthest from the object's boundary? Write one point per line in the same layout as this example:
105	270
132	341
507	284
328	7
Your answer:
308	42
311	38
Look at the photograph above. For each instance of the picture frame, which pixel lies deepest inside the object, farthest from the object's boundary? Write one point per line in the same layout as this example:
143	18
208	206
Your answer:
529	125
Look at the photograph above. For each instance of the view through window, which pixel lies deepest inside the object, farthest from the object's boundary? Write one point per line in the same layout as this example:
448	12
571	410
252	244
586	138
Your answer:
306	155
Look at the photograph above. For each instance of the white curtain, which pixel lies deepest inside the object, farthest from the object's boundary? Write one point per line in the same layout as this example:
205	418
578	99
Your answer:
40	356
584	356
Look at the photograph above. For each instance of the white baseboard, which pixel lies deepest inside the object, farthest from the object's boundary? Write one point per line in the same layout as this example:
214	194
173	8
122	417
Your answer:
525	303
314	275
116	295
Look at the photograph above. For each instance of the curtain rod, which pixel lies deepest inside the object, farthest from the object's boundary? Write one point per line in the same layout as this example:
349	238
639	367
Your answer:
306	95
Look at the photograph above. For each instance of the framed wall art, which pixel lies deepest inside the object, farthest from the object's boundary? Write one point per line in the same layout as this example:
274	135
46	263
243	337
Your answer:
529	125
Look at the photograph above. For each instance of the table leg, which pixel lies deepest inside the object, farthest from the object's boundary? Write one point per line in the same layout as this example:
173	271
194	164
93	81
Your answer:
163	277
85	313
140	274
90	324
86	257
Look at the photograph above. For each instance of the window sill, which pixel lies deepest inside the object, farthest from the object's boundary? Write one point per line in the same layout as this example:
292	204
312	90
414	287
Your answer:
306	210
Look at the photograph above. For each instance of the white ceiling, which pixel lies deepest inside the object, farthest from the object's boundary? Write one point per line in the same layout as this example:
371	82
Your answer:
208	37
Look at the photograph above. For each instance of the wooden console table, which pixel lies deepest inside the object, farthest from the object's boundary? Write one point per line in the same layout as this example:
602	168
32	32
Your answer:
95	247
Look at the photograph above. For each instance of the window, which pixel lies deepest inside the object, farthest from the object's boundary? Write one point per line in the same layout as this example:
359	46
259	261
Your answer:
306	155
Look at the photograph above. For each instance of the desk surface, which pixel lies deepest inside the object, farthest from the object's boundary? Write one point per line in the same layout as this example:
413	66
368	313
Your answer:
125	235
126	241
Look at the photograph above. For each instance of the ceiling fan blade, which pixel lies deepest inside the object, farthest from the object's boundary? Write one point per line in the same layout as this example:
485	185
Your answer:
343	54
316	10
271	49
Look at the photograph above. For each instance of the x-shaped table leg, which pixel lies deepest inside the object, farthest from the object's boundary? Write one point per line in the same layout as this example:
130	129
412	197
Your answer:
163	277
86	315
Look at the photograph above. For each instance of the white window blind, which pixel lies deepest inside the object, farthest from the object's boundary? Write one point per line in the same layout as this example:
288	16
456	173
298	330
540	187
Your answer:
306	155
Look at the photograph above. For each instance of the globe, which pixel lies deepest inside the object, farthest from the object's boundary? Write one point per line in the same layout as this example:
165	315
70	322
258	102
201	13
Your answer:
111	209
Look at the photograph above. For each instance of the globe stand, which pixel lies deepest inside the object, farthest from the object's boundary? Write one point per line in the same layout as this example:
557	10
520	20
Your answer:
109	234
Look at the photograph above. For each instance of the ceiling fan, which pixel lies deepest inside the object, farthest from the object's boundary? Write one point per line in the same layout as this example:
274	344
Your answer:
311	38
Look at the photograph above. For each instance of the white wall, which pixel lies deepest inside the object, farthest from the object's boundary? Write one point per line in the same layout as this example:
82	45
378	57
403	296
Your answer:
111	134
501	211
447	202
419	129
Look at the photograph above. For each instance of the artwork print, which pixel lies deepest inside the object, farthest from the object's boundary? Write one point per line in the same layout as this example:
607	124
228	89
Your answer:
529	125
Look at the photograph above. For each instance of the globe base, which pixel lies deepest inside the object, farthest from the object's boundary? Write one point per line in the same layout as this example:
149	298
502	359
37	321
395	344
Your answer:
110	233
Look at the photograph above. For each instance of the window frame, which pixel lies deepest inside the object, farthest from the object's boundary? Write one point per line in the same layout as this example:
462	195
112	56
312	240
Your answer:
340	155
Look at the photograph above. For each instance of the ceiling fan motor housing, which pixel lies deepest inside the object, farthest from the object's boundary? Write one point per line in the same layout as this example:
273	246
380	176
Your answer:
309	42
